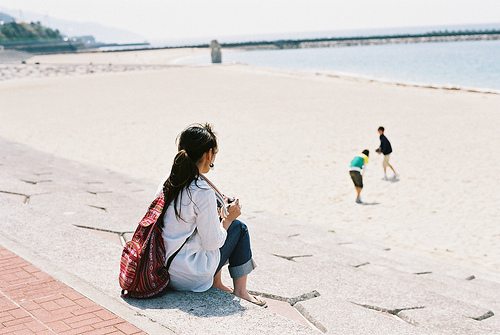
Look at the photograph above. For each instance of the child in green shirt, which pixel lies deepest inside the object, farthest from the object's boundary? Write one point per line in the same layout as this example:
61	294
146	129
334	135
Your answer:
356	171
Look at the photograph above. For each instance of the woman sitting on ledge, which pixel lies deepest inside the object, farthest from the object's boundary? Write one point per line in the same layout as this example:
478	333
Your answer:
214	236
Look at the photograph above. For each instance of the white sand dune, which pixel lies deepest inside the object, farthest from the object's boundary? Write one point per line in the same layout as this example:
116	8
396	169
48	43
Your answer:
285	143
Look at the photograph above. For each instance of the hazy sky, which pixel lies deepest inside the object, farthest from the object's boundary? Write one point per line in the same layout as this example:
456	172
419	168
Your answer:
166	19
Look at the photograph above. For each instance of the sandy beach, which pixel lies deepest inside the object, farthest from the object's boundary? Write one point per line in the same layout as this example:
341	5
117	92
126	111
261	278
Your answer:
286	140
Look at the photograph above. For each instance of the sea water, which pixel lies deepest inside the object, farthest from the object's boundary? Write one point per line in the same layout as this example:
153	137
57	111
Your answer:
472	64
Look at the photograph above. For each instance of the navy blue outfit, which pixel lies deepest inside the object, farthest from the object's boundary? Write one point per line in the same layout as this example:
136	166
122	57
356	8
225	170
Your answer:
385	145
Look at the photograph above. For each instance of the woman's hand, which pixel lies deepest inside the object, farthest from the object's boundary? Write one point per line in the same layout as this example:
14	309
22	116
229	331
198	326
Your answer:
233	211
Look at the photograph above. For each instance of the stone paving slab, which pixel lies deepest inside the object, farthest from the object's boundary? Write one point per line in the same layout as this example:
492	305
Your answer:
32	302
340	284
369	280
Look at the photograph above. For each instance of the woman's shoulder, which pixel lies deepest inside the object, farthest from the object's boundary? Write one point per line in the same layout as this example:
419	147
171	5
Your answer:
200	185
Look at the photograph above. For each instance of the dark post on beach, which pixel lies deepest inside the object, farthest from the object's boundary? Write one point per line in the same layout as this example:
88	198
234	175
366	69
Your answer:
215	52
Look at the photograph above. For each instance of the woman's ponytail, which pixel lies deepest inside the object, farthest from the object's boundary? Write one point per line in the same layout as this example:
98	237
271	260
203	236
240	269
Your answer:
193	143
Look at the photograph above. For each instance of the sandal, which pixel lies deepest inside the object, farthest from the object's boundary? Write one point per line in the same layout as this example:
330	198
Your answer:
259	302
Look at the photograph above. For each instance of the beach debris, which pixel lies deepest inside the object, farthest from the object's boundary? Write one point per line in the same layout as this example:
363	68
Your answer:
94	182
332	231
215	52
485	316
422	273
471	277
291	258
293	235
344	243
387	249
396	311
360	265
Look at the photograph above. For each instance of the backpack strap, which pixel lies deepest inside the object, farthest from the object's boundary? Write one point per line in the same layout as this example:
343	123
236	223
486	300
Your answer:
171	258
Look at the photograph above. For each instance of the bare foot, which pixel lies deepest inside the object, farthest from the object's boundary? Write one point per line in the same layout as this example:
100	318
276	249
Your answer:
248	297
222	287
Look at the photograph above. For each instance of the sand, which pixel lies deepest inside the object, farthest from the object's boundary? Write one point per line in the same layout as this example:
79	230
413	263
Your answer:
286	140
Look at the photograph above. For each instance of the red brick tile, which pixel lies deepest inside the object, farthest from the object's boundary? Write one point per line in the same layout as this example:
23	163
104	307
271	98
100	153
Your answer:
6	318
88	322
31	269
12	329
84	302
35	326
77	331
127	328
100	331
24	332
50	306
72	295
18	313
105	314
45	332
29	305
91	309
32	302
64	302
58	326
49	297
108	323
74	319
17	321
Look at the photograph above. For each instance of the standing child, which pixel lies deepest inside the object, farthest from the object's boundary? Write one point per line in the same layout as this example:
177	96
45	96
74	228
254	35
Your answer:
356	171
385	148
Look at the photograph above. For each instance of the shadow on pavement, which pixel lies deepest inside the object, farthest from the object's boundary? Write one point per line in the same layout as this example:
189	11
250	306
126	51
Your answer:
206	304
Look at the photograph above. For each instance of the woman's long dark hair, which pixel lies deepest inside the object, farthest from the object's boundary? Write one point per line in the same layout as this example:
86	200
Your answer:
193	142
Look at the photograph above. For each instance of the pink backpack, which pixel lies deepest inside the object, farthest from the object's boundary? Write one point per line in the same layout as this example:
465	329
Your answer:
143	273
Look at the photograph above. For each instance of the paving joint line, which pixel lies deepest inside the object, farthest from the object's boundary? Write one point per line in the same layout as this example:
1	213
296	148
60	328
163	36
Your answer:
121	234
35	182
485	316
291	258
27	197
293	302
394	311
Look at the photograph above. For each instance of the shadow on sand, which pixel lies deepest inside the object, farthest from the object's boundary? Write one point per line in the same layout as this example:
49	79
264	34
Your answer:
391	180
370	203
207	304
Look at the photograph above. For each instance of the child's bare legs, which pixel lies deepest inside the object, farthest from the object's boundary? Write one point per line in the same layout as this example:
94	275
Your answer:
358	193
386	164
395	174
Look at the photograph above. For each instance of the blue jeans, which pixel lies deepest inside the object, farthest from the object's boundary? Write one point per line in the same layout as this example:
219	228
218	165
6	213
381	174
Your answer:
237	251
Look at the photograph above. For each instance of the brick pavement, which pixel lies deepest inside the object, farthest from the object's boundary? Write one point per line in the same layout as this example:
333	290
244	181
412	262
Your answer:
32	302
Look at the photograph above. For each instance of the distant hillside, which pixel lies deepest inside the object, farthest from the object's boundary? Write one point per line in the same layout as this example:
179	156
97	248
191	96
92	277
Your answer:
4	18
101	32
27	32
